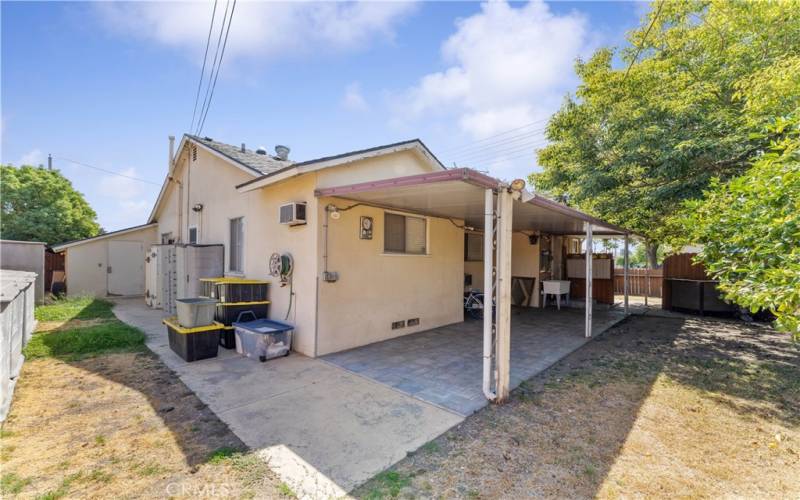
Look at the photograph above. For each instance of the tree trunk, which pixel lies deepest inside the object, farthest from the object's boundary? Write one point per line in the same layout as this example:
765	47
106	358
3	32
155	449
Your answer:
651	249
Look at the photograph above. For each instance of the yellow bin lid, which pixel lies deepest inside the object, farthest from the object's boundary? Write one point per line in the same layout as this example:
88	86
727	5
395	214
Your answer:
226	304
172	322
236	281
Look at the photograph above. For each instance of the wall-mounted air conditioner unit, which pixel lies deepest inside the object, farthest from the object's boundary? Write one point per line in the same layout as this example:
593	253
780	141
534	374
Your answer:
293	214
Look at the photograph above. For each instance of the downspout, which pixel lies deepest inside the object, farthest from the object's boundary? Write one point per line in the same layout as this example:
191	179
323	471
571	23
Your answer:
488	292
188	195
325	242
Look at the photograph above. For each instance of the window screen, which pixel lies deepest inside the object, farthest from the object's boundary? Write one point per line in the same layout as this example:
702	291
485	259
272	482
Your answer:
415	235
405	234
237	245
473	247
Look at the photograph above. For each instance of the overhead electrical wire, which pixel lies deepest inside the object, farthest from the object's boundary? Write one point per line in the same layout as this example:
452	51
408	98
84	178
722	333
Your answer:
527	150
495	135
529	141
219	64
213	68
524	154
112	172
502	142
203	70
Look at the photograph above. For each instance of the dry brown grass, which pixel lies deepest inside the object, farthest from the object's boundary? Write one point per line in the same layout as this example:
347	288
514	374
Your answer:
120	425
52	326
657	408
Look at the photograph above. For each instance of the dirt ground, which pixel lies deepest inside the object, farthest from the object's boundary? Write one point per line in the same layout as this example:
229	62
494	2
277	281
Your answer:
658	407
121	425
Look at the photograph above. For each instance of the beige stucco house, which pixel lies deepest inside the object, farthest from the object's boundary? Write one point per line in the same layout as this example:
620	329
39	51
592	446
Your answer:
389	242
215	192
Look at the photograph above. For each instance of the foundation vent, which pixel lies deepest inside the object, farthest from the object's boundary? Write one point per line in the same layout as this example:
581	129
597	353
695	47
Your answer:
413	322
396	325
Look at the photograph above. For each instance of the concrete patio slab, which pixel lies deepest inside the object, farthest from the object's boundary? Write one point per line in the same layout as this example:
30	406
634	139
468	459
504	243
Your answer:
443	366
323	430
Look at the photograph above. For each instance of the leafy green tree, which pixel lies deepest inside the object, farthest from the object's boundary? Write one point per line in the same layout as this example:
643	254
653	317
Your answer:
639	139
750	229
41	205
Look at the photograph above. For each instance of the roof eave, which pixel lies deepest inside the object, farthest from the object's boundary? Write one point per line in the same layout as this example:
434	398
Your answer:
67	244
332	161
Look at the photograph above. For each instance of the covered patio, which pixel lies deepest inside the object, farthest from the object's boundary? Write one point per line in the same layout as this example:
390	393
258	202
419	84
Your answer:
450	366
443	366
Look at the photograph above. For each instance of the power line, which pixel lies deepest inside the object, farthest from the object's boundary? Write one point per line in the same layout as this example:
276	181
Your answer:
531	144
203	70
495	135
214	85
213	67
503	143
506	158
106	171
644	39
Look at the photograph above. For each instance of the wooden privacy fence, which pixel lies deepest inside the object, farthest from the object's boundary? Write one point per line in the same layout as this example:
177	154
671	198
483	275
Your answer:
52	262
642	282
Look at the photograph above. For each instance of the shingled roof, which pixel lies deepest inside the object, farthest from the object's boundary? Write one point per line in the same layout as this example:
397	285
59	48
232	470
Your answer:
260	164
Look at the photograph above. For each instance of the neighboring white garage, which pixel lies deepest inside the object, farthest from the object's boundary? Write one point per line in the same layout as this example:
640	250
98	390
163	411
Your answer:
109	264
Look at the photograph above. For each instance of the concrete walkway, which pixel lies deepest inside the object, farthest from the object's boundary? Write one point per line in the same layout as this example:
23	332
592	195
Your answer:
323	429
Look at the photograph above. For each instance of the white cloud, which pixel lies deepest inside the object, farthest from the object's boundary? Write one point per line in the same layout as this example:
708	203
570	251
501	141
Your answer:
259	29
353	100
507	67
34	158
122	188
125	213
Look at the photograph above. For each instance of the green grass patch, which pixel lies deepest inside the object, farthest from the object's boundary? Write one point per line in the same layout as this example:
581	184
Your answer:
74	308
145	470
388	484
99	476
12	484
430	447
286	491
62	490
77	343
220	455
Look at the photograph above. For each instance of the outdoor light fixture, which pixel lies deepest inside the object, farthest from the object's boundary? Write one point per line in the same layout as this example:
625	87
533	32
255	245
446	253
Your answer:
334	211
198	207
517	185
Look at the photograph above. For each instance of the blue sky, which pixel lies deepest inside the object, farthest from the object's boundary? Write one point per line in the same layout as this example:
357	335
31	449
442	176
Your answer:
106	83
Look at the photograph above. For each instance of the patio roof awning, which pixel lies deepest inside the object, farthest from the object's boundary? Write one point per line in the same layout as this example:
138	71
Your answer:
459	194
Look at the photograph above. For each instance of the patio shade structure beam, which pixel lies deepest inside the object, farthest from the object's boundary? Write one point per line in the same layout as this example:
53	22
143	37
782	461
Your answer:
589	279
505	215
488	293
625	273
475	200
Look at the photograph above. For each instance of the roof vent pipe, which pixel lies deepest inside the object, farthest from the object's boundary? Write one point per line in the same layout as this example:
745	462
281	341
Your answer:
171	152
261	151
282	152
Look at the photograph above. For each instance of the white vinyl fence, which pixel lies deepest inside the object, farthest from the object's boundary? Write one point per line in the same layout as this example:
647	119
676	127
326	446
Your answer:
17	297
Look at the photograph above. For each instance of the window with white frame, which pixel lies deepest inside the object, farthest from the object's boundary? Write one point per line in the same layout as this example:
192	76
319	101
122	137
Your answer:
236	245
473	247
192	234
405	234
